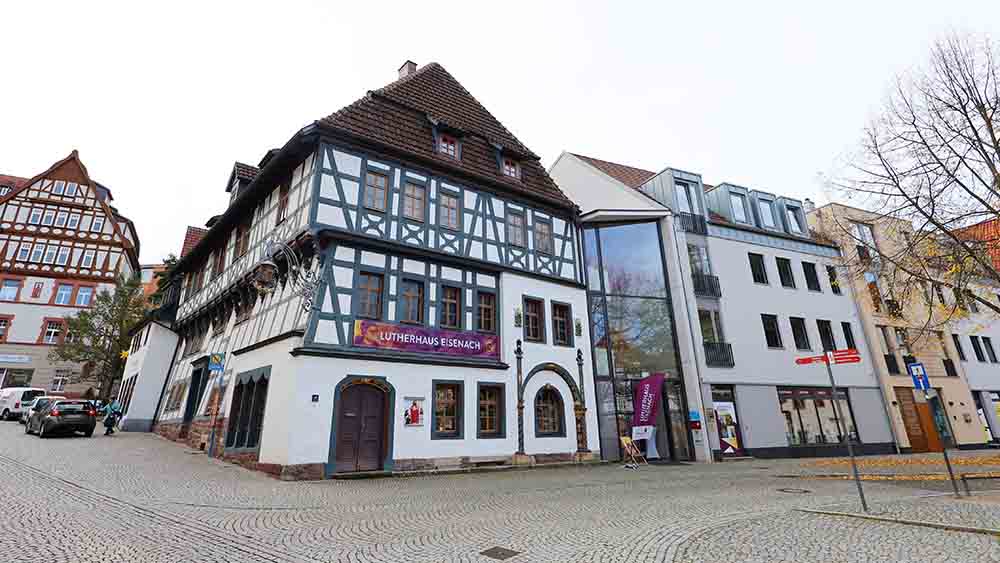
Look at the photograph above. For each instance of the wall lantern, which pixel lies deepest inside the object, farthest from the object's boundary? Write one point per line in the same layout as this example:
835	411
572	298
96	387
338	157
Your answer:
266	274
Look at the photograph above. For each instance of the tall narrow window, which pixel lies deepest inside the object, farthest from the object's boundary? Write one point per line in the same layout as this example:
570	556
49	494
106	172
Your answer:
543	237
977	348
376	187
561	330
370	295
447	410
74	221
4	328
684	202
61	218
39	250
50	254
515	229
97	225
958	346
63	257
52	331
451	307
767	214
739	203
772	334
792	213
23	252
549	413
242	243
449	211
491	402
785	272
487	306
49	218
812	279
412	302
71	189
282	211
534	320
831	272
990	352
247	417
698	257
36	216
848	336
59	187
799	333
414	201
757	268
826	335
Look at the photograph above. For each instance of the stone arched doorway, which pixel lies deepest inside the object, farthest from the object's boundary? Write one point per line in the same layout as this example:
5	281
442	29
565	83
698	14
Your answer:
361	436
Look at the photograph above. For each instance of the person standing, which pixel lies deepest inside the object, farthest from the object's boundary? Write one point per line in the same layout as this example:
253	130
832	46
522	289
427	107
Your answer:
111	412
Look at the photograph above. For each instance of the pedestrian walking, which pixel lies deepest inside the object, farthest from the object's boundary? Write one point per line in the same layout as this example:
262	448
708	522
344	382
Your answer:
112	412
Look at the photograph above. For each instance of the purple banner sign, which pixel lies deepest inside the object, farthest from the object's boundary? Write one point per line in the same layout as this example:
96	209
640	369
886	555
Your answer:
647	399
426	340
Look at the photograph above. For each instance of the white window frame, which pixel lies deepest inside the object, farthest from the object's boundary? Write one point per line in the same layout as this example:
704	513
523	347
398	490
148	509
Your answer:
742	199
762	205
61	219
793	220
52	333
87	260
97	224
24	252
59	188
71	189
35	217
37	252
74	221
49	217
50	254
63	257
82	291
59	298
3	290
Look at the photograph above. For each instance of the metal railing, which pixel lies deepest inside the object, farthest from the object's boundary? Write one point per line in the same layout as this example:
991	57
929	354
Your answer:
706	285
693	223
719	354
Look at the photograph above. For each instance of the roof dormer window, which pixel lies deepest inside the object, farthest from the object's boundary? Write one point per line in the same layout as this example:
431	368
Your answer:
767	214
793	219
448	145
511	168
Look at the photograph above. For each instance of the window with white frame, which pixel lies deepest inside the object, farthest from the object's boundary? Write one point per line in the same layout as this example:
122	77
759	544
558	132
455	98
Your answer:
793	219
4	328
448	145
88	259
74	221
63	257
71	189
37	252
60	380
61	218
49	218
4	190
24	251
767	213
52	331
9	290
36	216
739	203
97	225
50	253
59	187
511	169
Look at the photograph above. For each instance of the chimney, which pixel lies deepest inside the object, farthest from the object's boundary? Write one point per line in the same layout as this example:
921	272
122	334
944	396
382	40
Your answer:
408	68
808	206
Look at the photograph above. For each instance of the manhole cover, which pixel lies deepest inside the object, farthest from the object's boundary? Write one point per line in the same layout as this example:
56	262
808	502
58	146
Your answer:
794	491
499	553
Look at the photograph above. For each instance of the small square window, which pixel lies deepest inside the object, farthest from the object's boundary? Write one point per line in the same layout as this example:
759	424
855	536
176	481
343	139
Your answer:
511	168
447	145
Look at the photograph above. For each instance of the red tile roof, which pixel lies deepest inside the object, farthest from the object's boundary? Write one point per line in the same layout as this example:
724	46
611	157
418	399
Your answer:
245	171
12	181
191	239
400	116
987	232
629	175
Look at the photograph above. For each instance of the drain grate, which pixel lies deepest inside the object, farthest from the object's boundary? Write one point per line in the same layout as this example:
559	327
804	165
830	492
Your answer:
499	553
794	491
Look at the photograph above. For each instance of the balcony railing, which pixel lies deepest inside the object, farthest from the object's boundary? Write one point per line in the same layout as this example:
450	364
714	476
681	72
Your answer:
949	367
694	223
719	354
706	285
892	364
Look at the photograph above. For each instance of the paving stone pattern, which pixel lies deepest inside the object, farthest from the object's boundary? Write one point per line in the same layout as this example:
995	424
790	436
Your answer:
136	497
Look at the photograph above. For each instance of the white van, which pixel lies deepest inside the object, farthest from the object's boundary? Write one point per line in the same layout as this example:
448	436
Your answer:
13	400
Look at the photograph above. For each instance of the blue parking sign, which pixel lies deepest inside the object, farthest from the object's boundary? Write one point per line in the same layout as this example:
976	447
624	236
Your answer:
919	375
216	362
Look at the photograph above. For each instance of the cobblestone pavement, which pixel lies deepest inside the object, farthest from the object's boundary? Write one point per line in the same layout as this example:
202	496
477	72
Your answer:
135	497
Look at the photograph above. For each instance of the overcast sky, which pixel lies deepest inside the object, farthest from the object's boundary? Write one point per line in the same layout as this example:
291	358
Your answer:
160	102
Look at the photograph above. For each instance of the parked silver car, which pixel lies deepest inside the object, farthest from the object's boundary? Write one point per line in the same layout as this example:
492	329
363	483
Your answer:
63	416
36	404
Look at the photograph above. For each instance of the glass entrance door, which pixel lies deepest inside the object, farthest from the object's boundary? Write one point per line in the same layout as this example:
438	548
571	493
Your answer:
726	420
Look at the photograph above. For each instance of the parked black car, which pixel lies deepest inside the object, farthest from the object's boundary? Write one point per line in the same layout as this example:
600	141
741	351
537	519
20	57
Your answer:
63	416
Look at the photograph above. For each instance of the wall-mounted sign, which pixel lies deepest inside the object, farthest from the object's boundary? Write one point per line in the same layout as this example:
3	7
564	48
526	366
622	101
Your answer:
413	411
427	340
216	362
14	359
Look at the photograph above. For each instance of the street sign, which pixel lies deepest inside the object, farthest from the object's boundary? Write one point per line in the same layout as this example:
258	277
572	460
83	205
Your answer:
919	375
848	356
216	362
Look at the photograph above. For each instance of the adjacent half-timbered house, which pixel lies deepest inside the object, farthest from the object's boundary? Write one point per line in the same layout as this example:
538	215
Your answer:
61	242
437	319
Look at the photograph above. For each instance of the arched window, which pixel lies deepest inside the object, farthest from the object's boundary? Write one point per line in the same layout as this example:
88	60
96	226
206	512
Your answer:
549	420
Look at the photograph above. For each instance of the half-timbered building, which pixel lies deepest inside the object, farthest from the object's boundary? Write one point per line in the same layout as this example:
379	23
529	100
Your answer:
61	243
437	316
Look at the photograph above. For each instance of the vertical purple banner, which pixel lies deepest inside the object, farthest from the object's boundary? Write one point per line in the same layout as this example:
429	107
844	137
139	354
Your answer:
647	399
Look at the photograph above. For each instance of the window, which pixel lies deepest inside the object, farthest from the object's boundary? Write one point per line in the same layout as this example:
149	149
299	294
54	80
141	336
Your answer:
61	218
36	290
684	202
977	348
848	336
511	169
218	264
63	294
23	252
534	320
739	203
36	216
562	334
958	346
243	311
831	273
792	213
4	190
711	326
767	213
543	237
71	189
50	254
448	206
52	331
447	410
771	332
49	218
549	413
757	268
487	306
698	257
414	201
58	384
785	272
451	307
370	295
242	241
973	306
810	417
988	344
37	252
246	417
63	257
447	145
865	234
376	187
282	204
4	327
412	298
88	259
491	411
515	230
826	335
800	334
97	225
59	187
812	279
9	290
83	296
74	221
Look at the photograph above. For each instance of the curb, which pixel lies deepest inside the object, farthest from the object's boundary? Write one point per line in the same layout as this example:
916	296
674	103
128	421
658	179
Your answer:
464	470
937	525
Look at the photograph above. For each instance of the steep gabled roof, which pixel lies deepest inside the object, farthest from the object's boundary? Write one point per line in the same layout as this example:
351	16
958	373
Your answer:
12	181
192	237
402	115
629	175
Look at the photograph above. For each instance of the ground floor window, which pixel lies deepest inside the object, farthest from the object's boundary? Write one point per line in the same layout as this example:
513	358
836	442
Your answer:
726	420
16	377
246	416
810	417
549	415
447	410
60	380
491	411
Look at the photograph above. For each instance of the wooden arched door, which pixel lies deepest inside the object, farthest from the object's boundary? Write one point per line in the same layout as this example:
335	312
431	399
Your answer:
361	429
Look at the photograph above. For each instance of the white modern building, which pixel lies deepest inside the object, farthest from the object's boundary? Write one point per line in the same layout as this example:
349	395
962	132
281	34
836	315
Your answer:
750	291
146	371
438	316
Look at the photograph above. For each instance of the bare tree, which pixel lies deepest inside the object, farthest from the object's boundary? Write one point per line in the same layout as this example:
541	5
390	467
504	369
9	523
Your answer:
929	169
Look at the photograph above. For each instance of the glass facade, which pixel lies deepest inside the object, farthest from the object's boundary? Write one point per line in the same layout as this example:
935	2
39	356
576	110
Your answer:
810	417
632	327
